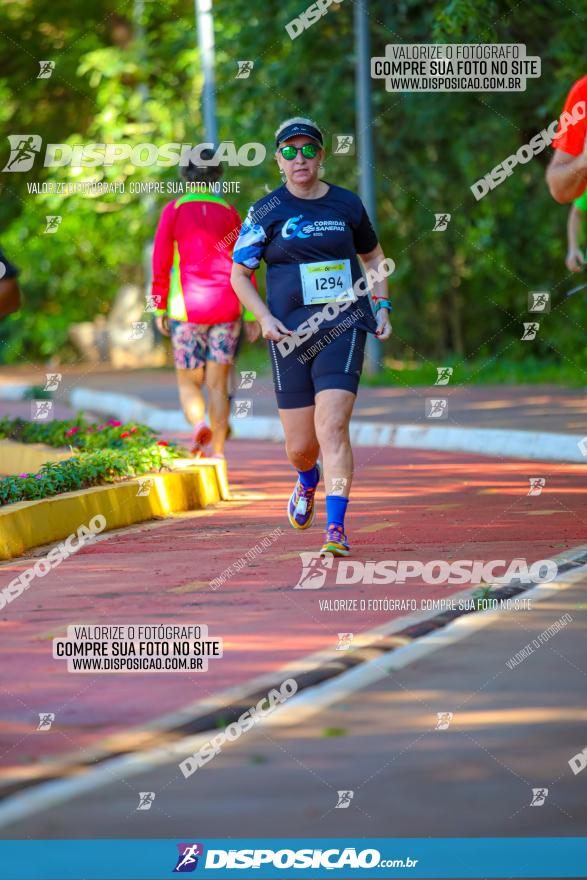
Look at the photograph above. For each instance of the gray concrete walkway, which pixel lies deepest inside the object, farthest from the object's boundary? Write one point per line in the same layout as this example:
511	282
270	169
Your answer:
513	730
548	408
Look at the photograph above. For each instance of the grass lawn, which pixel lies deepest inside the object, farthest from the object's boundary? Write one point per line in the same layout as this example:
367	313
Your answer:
481	371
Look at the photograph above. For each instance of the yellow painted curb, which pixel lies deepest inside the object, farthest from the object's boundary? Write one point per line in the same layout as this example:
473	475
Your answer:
25	458
29	524
218	463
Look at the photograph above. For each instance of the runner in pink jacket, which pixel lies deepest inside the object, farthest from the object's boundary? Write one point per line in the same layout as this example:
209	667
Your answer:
192	260
195	302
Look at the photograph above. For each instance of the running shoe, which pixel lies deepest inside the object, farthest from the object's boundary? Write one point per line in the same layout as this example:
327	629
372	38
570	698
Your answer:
202	437
335	542
301	509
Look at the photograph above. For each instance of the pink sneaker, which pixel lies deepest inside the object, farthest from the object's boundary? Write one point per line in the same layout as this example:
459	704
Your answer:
202	437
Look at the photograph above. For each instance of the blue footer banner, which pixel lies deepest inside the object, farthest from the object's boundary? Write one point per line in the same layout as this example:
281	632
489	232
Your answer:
529	857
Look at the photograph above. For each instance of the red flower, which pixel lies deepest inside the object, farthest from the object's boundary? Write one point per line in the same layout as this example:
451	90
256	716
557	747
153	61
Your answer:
125	434
162	443
114	423
71	432
133	429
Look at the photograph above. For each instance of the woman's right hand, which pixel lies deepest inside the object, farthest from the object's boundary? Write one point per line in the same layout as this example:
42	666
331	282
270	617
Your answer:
574	261
273	329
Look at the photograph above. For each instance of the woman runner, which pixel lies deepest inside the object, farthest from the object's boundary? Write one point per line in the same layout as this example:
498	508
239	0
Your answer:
195	302
310	234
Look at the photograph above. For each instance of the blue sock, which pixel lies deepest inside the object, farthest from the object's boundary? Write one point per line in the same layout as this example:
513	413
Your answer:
336	507
309	479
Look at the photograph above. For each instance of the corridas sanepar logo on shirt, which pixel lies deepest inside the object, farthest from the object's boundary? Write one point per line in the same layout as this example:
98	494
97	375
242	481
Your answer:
297	227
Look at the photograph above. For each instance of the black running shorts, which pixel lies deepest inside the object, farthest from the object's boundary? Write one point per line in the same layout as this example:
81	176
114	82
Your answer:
332	358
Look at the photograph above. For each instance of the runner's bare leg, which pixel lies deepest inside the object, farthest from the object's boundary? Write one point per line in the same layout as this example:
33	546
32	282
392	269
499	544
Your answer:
217	377
301	443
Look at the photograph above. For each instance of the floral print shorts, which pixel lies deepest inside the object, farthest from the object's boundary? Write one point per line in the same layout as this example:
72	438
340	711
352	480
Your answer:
194	344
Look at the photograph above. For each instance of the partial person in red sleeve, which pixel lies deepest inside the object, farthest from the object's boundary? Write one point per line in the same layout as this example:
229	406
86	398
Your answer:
575	259
196	305
567	173
9	289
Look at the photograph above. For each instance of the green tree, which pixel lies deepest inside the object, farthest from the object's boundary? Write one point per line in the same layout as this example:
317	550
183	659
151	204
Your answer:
459	295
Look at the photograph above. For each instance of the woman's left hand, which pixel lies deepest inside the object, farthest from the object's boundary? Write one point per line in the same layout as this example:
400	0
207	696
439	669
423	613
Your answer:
383	331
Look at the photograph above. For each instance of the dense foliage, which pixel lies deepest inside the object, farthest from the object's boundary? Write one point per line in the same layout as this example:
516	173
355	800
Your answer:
108	452
458	294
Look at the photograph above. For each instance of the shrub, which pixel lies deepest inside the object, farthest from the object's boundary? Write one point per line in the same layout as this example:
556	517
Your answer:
108	452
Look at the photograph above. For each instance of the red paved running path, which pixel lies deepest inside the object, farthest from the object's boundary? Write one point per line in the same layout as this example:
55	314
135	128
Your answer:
406	504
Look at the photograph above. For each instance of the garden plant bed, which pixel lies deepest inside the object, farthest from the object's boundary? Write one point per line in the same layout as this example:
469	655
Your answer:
121	472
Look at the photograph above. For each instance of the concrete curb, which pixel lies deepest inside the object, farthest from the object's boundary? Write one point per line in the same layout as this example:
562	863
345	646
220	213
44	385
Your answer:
13	392
29	524
533	445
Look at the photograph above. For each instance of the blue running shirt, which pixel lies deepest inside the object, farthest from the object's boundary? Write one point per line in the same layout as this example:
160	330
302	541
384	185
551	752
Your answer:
287	231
